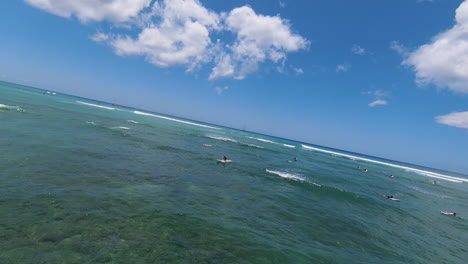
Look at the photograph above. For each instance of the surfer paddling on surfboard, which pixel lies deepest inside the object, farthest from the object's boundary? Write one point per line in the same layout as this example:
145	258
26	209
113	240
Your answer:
449	213
390	197
224	160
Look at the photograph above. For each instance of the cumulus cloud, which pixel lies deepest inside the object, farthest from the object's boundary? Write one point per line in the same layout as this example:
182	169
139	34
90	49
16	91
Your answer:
259	38
444	61
180	37
378	102
92	10
181	32
455	119
356	49
342	68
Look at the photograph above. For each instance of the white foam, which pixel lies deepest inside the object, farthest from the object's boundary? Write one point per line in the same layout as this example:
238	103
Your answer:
173	119
263	140
100	106
90	122
291	176
289	146
255	146
287	175
132	121
120	127
17	108
222	138
422	172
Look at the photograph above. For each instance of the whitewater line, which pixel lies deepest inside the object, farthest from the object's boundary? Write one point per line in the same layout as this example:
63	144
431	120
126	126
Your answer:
425	173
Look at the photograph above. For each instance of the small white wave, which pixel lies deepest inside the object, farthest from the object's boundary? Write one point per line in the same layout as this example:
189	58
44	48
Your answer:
222	138
133	121
289	146
287	175
291	176
120	127
95	105
9	107
90	122
263	140
421	172
207	145
255	146
173	119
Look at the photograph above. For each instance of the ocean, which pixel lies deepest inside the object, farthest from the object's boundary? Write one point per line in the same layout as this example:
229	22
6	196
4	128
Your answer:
84	181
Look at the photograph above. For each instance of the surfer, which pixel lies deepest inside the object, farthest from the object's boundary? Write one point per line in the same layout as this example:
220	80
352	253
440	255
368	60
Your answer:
449	213
225	158
391	176
295	159
365	170
388	196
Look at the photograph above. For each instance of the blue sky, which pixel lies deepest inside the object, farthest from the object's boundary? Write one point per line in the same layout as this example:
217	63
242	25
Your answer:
387	78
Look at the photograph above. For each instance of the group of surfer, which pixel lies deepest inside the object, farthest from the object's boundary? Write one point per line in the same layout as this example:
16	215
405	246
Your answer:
390	197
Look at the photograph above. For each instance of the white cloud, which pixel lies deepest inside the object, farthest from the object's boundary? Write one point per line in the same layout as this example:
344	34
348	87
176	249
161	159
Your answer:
180	32
92	10
378	102
180	37
455	119
282	4
223	68
444	61
378	95
298	71
342	68
399	48
259	38
99	37
356	49
220	90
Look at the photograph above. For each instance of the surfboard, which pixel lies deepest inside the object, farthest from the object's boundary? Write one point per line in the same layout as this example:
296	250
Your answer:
224	161
393	199
447	213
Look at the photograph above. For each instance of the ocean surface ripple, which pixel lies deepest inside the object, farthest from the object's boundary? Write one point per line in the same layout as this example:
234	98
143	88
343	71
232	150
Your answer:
89	182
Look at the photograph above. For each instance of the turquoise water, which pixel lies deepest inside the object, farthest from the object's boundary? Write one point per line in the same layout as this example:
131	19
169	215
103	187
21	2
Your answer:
86	184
